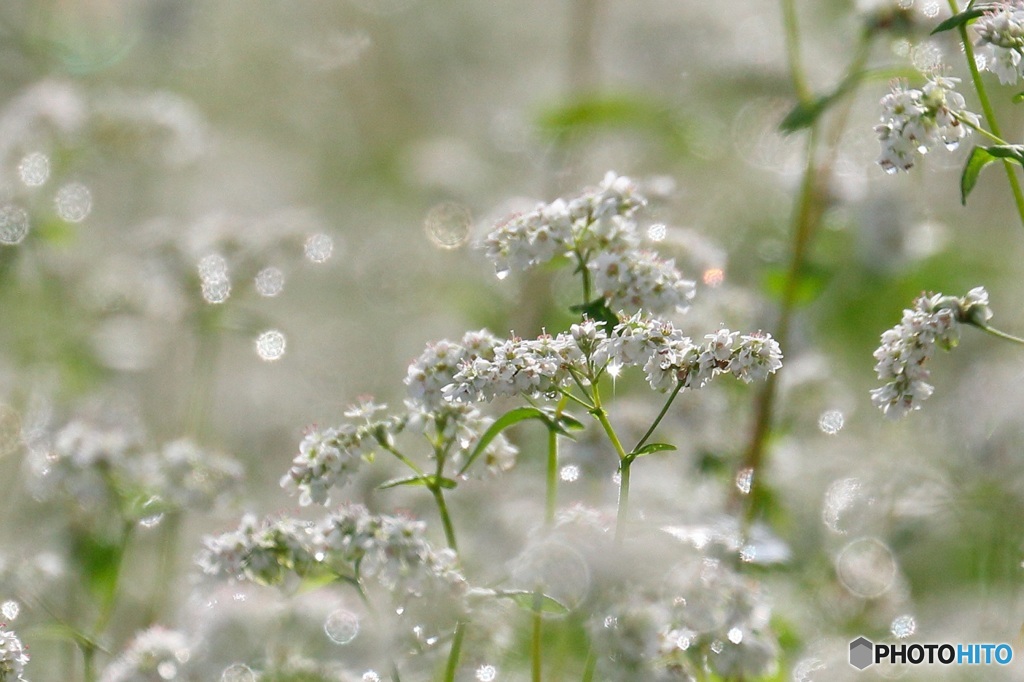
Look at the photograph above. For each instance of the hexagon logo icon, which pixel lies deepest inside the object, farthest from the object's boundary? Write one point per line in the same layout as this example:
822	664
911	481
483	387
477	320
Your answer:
861	653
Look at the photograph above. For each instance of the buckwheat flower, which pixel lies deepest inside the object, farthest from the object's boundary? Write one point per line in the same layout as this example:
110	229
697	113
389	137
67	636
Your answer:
186	476
155	655
12	657
1000	40
756	356
933	322
331	457
436	367
914	121
264	552
598	219
636	279
534	367
393	549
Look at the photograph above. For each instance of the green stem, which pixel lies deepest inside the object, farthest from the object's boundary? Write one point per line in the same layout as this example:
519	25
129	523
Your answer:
620	515
998	334
88	662
981	131
551	492
792	30
602	417
403	459
986	108
446	519
455	652
537	639
661	415
589	666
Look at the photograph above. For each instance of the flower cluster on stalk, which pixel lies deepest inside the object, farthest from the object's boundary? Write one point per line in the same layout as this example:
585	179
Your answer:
155	654
12	657
1000	40
916	120
349	542
597	228
933	322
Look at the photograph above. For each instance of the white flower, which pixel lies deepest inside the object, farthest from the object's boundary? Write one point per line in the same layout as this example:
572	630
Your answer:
634	280
155	654
436	367
1000	41
934	321
12	657
263	552
914	121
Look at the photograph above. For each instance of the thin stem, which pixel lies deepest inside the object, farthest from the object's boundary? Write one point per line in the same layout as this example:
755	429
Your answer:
661	415
998	334
455	652
551	492
977	128
537	639
602	417
88	662
446	519
402	458
986	108
796	72
585	274
621	512
589	666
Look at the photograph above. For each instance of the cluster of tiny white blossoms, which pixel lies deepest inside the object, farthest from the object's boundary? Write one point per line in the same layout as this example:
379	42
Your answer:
933	322
350	540
93	465
153	655
331	456
1001	40
547	364
915	120
599	229
12	657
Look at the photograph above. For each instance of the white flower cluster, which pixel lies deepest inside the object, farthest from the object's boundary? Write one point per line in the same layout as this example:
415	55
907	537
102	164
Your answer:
537	367
914	121
331	456
934	321
1001	40
94	466
350	540
12	657
635	279
599	228
530	367
154	655
435	368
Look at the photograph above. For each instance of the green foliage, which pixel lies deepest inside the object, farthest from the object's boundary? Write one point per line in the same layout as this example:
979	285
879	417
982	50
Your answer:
614	112
983	156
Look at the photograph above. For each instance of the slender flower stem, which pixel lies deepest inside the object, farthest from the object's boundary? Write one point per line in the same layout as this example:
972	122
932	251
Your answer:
977	128
602	417
589	666
88	662
402	458
998	334
551	492
986	108
446	519
796	72
621	512
537	639
661	415
455	652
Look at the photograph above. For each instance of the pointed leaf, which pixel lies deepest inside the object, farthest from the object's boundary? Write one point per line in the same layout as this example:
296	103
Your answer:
597	310
570	422
983	156
651	448
528	600
506	420
958	20
408	480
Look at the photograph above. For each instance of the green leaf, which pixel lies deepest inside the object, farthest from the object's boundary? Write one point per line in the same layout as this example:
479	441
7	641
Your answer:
804	114
1018	98
570	422
811	281
983	156
511	418
626	111
958	20
429	481
529	601
408	480
100	562
650	448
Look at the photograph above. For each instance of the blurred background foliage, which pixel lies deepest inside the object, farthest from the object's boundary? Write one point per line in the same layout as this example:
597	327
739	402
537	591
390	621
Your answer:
243	127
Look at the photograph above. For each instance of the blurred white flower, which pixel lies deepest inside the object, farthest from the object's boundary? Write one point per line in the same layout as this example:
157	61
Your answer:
12	657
